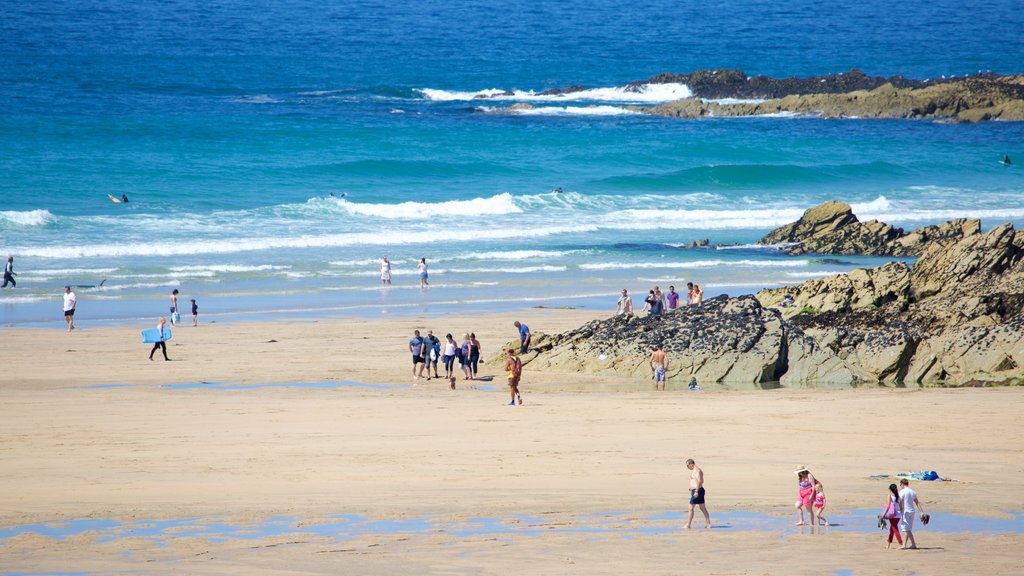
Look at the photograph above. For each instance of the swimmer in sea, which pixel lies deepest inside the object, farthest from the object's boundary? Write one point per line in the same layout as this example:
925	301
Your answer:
1006	160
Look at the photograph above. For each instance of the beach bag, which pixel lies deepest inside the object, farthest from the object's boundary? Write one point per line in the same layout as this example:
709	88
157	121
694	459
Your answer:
176	317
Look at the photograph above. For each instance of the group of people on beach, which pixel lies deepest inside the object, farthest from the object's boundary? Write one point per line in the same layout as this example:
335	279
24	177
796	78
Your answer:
657	302
428	350
160	343
385	272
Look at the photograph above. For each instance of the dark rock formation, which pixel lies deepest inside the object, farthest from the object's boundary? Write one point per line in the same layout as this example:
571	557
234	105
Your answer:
724	340
832	228
974	99
955	318
736	84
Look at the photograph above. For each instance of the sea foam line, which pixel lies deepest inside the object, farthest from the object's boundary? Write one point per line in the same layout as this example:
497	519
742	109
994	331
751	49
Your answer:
642	93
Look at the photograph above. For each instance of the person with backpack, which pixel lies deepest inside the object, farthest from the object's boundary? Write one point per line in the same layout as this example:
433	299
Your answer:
514	367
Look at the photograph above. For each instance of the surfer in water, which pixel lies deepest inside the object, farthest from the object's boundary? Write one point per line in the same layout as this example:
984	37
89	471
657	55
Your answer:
1006	160
124	198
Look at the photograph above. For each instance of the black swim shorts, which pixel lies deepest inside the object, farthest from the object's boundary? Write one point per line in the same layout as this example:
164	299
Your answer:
69	312
417	359
697	498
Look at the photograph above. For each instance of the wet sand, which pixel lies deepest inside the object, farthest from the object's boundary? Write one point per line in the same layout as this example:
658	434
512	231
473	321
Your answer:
582	447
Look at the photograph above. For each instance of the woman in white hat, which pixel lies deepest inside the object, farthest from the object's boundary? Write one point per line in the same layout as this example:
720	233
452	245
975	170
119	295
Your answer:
805	494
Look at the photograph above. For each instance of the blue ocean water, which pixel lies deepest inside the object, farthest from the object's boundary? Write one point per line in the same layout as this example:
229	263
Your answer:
230	124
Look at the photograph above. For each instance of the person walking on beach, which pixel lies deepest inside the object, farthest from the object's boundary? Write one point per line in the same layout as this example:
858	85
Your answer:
70	301
624	305
464	356
805	494
449	358
514	367
910	505
423	272
417	348
819	504
160	344
9	273
524	336
433	352
385	271
672	298
474	354
195	312
659	365
891	514
174	305
696	493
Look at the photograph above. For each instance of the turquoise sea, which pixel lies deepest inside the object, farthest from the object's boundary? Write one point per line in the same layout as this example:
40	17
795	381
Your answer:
230	124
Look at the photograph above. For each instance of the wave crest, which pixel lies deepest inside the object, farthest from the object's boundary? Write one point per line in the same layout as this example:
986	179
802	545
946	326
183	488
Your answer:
637	93
26	218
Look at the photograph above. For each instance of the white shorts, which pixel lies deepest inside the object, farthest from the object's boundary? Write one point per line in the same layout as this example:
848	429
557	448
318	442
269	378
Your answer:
907	522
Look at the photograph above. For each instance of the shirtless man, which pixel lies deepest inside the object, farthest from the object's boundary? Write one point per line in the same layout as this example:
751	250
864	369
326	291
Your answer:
696	492
659	365
624	305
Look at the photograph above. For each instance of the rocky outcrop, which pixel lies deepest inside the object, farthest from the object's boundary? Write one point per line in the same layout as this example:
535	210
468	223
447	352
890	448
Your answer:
832	228
973	99
724	340
956	317
736	84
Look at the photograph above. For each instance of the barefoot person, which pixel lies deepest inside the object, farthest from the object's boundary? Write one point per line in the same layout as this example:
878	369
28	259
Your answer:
696	493
9	273
659	365
385	271
70	301
891	514
160	344
910	505
805	494
819	504
417	348
514	368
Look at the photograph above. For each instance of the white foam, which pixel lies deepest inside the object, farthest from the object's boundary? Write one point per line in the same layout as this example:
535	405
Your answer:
643	93
226	268
257	99
877	205
26	218
695	264
566	111
495	205
819	274
511	255
133	286
65	271
519	270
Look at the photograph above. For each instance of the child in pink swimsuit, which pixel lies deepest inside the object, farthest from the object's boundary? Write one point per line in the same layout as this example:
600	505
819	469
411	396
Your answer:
819	503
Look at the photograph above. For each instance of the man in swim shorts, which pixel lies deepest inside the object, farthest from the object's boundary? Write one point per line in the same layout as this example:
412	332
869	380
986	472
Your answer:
417	348
70	300
696	493
659	365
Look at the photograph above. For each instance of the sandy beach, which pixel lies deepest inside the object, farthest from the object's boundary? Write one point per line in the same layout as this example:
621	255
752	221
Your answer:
586	477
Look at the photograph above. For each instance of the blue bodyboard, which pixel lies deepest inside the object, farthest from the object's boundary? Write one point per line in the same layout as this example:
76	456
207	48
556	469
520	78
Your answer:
153	335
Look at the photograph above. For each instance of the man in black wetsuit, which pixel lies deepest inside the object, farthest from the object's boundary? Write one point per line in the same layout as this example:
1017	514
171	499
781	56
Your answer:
9	273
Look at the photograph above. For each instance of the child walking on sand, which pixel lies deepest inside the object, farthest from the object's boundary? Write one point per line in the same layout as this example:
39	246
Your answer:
819	503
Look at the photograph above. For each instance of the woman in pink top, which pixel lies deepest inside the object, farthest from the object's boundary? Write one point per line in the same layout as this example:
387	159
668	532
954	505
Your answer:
805	495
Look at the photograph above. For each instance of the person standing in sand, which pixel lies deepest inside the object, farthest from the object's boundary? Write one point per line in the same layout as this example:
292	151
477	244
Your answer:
464	356
475	352
696	493
70	301
195	312
9	273
624	305
160	344
433	352
514	367
449	358
524	336
659	365
417	348
385	271
910	505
